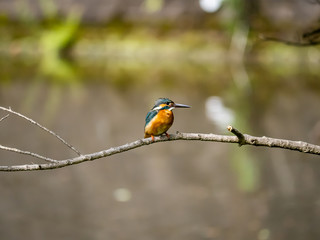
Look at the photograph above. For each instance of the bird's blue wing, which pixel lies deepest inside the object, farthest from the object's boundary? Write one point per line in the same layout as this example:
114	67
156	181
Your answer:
149	116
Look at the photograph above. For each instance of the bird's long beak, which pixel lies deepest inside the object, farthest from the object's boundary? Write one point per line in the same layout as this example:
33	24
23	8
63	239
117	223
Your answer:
178	105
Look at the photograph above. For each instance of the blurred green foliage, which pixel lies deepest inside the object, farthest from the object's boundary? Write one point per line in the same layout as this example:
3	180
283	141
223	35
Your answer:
50	40
56	42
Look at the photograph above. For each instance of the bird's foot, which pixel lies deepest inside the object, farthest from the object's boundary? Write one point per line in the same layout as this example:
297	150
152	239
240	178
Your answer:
152	138
168	136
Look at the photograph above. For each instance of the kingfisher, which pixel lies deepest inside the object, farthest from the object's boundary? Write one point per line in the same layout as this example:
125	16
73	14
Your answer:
160	118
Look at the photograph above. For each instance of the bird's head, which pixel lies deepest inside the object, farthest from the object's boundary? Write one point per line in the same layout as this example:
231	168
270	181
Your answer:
166	103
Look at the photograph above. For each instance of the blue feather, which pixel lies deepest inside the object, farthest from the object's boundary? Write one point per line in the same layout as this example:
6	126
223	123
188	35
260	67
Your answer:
150	115
162	101
153	113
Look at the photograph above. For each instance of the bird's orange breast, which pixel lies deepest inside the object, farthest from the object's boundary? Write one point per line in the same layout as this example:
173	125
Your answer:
159	124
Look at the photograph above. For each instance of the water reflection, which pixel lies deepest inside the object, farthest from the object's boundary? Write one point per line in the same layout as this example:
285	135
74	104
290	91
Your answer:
179	190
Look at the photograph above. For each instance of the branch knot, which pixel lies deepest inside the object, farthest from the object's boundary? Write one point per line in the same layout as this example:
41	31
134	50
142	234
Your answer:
241	137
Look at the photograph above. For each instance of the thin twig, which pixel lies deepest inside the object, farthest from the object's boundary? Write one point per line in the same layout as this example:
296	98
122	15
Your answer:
248	140
28	153
3	118
42	127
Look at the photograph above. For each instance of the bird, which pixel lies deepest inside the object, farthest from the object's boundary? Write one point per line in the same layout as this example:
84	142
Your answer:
160	118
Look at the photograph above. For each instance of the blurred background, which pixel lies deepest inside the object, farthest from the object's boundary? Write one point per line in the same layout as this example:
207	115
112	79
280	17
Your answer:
90	70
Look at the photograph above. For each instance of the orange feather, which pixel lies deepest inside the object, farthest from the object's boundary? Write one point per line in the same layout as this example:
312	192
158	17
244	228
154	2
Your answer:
159	124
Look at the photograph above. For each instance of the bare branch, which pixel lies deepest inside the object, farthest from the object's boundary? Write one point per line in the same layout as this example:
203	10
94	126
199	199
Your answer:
15	150
293	43
246	140
42	127
3	118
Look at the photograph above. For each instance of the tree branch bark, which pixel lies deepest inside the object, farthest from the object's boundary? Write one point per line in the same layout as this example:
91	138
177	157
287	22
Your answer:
304	43
247	140
240	138
3	118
